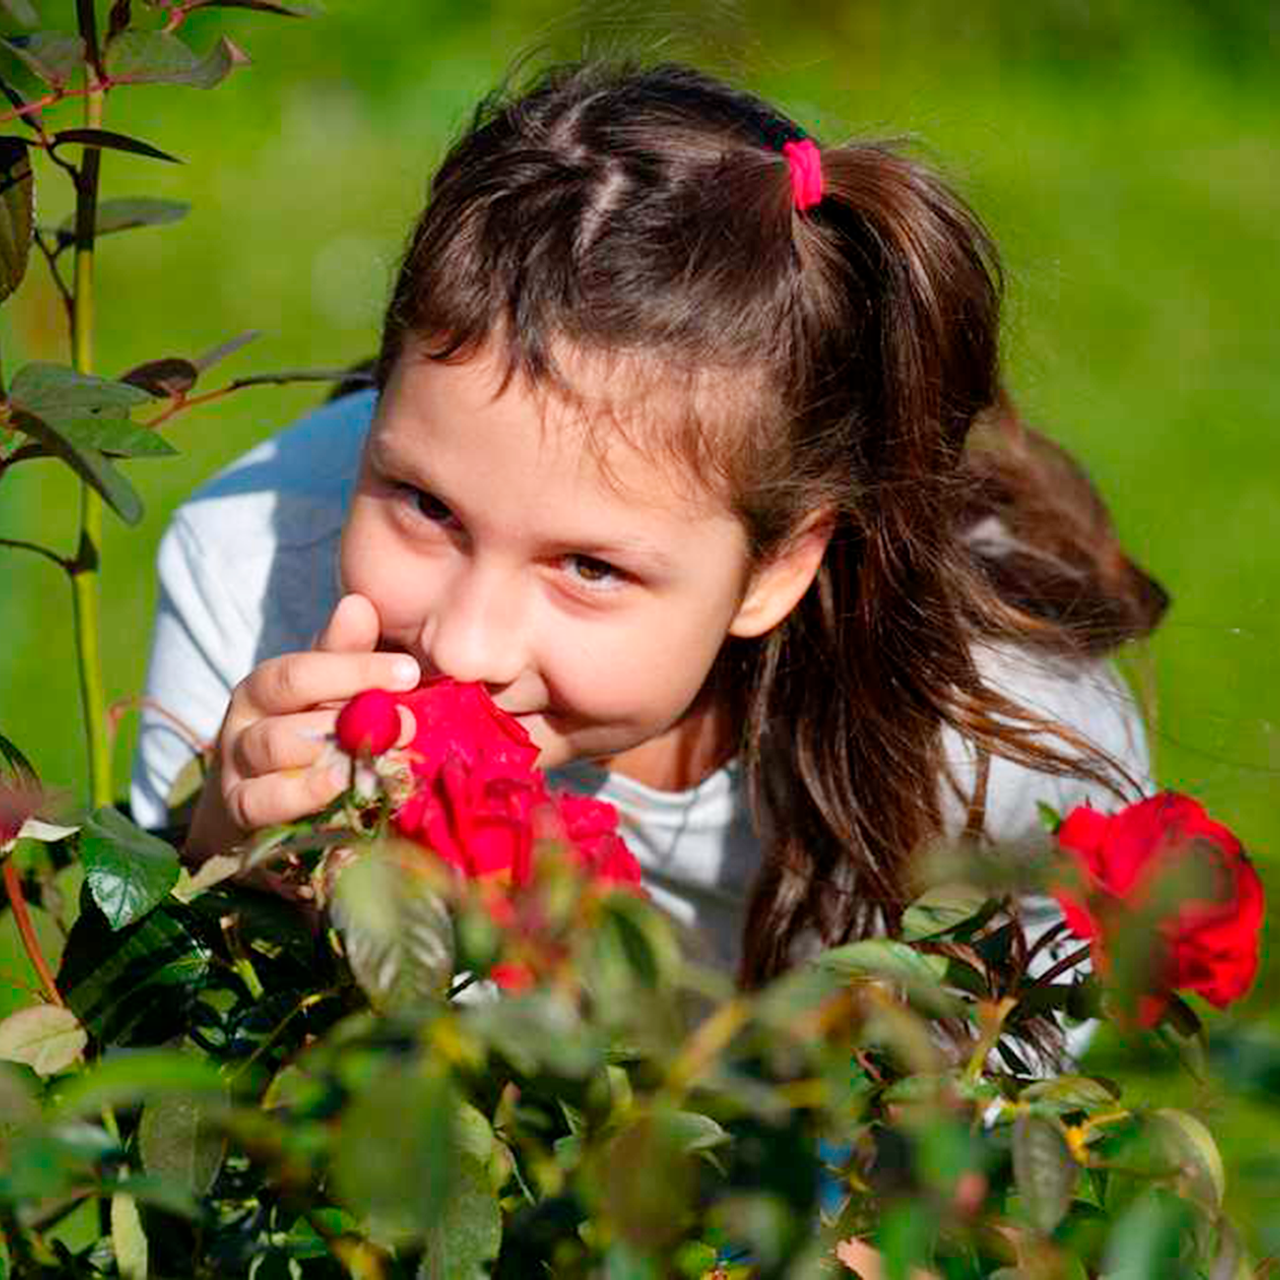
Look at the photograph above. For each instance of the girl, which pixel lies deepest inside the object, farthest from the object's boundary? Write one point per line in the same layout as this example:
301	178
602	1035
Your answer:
669	450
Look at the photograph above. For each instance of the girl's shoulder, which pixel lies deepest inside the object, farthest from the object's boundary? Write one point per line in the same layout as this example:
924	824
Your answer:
1087	697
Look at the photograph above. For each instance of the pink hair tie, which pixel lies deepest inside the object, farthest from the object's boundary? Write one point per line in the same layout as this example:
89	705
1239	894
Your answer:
805	162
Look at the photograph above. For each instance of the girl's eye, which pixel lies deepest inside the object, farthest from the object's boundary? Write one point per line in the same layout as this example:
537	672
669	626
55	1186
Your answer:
587	571
429	507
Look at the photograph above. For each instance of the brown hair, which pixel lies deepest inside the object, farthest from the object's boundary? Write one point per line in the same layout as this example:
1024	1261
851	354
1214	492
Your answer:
648	214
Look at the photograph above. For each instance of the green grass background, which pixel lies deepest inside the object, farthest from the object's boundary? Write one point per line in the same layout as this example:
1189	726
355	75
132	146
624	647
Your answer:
1126	154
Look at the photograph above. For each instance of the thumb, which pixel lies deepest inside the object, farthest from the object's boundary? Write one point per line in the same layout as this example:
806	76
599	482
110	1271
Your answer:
353	627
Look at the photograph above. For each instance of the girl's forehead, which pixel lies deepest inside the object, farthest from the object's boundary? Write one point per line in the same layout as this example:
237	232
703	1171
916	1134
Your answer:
648	427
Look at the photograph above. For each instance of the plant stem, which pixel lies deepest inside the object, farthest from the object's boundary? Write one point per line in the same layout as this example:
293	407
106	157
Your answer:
17	544
26	931
1063	965
85	593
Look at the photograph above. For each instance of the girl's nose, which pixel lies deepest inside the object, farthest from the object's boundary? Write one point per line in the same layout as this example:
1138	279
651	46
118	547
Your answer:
474	632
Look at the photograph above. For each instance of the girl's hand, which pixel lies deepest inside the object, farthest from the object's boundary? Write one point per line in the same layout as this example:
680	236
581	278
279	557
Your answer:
272	762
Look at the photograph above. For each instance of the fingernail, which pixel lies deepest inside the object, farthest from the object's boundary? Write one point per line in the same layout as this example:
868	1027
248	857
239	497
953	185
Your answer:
405	673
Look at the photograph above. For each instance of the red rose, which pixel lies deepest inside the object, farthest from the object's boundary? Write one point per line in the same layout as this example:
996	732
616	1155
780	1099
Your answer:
481	818
1207	944
592	829
453	719
369	723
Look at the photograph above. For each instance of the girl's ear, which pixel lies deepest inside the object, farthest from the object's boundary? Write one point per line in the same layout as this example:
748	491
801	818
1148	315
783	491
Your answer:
776	586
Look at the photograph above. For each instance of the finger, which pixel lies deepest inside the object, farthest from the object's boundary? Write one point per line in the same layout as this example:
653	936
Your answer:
302	681
253	803
282	742
353	627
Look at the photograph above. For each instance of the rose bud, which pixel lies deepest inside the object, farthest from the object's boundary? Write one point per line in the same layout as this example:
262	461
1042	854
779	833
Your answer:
369	723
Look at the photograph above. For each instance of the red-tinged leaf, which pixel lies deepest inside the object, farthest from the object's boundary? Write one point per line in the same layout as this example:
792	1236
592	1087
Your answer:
156	57
124	214
17	201
168	376
295	9
47	1038
110	141
89	464
225	349
55	56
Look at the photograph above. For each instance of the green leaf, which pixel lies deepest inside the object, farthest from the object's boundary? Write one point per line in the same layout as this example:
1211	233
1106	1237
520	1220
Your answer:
920	975
125	213
128	1240
89	464
127	1078
1071	1093
1146	1243
138	982
128	870
1044	1170
168	376
468	1234
394	1152
1050	818
1190	1145
177	1142
156	57
15	763
111	141
943	909
17	203
692	1131
55	56
20	11
396	930
47	1038
57	391
112	437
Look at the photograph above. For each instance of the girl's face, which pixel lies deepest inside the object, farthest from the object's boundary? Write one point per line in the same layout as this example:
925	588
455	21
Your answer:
591	599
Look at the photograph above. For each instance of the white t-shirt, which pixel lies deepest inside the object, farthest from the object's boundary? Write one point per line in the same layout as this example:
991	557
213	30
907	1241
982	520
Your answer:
248	570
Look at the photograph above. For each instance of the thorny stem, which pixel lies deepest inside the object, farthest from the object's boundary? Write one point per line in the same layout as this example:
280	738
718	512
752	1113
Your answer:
26	931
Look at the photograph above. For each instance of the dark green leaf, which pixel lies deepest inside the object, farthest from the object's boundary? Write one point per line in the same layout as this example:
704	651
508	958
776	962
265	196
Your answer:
1044	1170
114	437
168	376
156	57
54	391
55	56
394	1152
126	213
468	1234
178	1144
112	142
137	984
90	465
128	870
21	11
17	201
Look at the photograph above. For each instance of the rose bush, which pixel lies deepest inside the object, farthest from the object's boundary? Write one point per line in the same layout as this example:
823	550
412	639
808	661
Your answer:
1130	862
